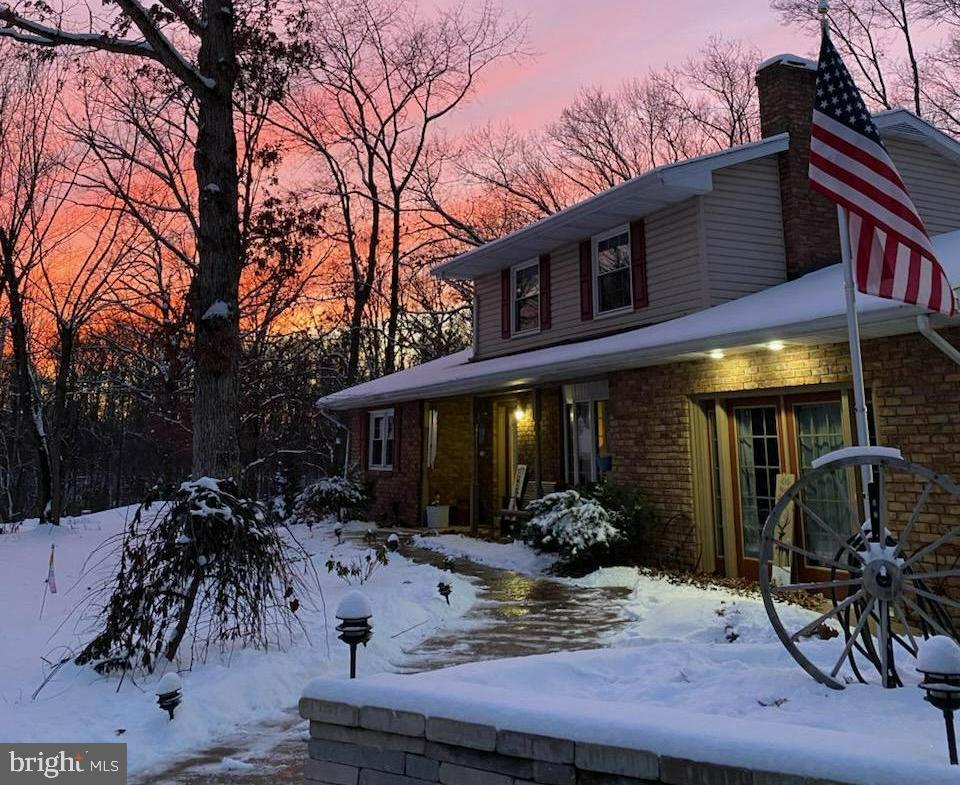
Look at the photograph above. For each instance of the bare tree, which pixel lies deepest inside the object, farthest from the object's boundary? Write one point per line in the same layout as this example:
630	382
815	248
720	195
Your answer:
384	79
198	44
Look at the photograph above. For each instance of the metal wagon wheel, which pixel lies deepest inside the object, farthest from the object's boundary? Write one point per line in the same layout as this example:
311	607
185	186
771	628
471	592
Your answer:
878	591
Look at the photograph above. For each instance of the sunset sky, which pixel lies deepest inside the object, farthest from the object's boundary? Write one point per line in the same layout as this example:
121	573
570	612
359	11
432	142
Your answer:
573	50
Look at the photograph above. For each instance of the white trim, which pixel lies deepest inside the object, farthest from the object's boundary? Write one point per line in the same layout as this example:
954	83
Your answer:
514	333
595	270
371	417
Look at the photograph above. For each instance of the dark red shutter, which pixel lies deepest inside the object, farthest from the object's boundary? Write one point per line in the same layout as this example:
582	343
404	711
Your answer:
638	252
505	304
397	440
545	292
586	281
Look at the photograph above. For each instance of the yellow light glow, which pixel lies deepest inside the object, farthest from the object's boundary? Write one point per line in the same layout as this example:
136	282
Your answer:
776	346
717	354
518	413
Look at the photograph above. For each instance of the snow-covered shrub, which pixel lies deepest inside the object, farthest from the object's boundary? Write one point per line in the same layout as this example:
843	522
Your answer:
327	497
211	568
575	527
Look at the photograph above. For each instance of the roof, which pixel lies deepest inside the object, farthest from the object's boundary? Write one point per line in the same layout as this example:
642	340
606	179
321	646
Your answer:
659	188
642	195
807	310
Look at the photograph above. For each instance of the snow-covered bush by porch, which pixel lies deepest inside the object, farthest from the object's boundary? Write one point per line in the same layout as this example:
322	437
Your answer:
575	527
327	497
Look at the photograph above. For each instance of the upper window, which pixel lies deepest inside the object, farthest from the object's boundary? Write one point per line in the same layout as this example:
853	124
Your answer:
381	439
526	298
611	271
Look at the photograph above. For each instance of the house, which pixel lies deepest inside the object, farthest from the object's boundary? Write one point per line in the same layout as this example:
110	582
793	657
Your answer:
682	333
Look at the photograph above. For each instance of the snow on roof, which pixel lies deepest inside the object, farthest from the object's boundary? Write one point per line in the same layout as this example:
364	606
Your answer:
806	310
641	195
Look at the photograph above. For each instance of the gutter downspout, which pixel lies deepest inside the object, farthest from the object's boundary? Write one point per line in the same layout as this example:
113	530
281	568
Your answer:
340	426
923	325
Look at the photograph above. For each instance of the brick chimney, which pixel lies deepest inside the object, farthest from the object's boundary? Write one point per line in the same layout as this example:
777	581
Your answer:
786	85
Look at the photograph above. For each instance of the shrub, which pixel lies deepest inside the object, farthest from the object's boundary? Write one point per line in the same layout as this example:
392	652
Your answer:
577	528
210	570
636	521
329	496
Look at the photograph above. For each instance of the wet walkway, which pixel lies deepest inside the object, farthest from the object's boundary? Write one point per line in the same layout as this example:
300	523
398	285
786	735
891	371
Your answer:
515	615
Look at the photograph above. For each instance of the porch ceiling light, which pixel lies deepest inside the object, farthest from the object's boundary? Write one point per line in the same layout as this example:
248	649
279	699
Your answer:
717	354
776	346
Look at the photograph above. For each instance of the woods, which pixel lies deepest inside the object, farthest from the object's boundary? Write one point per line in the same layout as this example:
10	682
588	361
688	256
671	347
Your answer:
211	213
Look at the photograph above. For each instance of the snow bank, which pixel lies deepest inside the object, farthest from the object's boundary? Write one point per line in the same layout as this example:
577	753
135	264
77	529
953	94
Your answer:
228	692
515	556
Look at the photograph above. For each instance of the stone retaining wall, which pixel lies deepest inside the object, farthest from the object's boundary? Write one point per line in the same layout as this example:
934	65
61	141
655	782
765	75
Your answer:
369	745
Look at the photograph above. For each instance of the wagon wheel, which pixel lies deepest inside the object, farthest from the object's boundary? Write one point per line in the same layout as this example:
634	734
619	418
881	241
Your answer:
878	593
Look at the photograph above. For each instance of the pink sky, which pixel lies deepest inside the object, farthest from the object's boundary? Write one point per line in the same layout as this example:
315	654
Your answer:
603	42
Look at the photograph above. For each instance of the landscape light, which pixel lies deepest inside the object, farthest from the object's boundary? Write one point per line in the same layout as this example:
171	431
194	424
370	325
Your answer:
354	612
939	662
169	693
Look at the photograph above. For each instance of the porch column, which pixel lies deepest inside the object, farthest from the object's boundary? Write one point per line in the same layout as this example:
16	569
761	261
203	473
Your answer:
538	448
474	470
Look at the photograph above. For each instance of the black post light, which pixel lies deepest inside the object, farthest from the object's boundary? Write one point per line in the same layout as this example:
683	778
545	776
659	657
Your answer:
393	543
338	530
939	662
169	692
354	613
445	591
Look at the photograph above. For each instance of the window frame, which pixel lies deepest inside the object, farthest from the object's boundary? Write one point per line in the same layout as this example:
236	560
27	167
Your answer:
373	417
595	271
514	315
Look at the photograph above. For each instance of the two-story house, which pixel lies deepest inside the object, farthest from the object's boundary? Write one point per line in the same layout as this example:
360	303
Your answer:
682	333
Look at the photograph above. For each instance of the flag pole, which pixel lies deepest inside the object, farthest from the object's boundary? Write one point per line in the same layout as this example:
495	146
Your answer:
853	331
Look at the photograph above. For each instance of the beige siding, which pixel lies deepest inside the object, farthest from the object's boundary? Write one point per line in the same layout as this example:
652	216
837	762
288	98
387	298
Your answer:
674	285
933	181
743	231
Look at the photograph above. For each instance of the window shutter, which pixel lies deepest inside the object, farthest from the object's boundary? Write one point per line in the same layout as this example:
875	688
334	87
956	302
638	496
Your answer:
545	292
638	252
505	303
397	425
586	281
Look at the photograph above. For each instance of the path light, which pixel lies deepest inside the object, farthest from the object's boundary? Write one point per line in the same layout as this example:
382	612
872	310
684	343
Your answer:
338	530
169	692
354	612
445	591
939	662
393	543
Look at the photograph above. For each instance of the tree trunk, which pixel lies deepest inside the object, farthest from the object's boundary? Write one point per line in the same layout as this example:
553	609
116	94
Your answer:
28	401
215	286
391	354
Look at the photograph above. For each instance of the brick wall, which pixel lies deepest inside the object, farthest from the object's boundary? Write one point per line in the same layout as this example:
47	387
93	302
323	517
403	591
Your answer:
396	493
786	90
914	387
449	479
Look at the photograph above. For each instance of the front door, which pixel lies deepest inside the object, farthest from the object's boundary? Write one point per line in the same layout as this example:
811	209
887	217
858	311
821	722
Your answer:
758	458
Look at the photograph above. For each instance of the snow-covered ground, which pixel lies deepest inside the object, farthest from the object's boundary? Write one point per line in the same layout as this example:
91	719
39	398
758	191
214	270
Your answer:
221	695
696	673
510	556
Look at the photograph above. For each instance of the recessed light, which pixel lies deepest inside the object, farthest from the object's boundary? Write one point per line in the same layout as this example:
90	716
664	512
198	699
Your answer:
717	354
776	346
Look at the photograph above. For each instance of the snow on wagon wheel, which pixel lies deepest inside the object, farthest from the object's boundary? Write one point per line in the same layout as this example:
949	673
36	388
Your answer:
874	594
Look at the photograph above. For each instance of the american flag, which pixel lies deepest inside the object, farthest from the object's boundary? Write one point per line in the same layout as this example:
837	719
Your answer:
892	253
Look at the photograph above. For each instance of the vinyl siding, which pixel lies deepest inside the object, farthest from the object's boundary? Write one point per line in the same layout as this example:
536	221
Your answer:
674	285
933	181
743	231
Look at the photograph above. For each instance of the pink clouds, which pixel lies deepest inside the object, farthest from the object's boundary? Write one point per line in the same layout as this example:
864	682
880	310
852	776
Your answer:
603	42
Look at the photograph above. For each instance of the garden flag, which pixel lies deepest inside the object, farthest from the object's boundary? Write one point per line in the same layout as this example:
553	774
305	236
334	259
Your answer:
51	578
891	252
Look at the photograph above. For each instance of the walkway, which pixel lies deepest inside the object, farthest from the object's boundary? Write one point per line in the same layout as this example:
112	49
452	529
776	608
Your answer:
517	616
